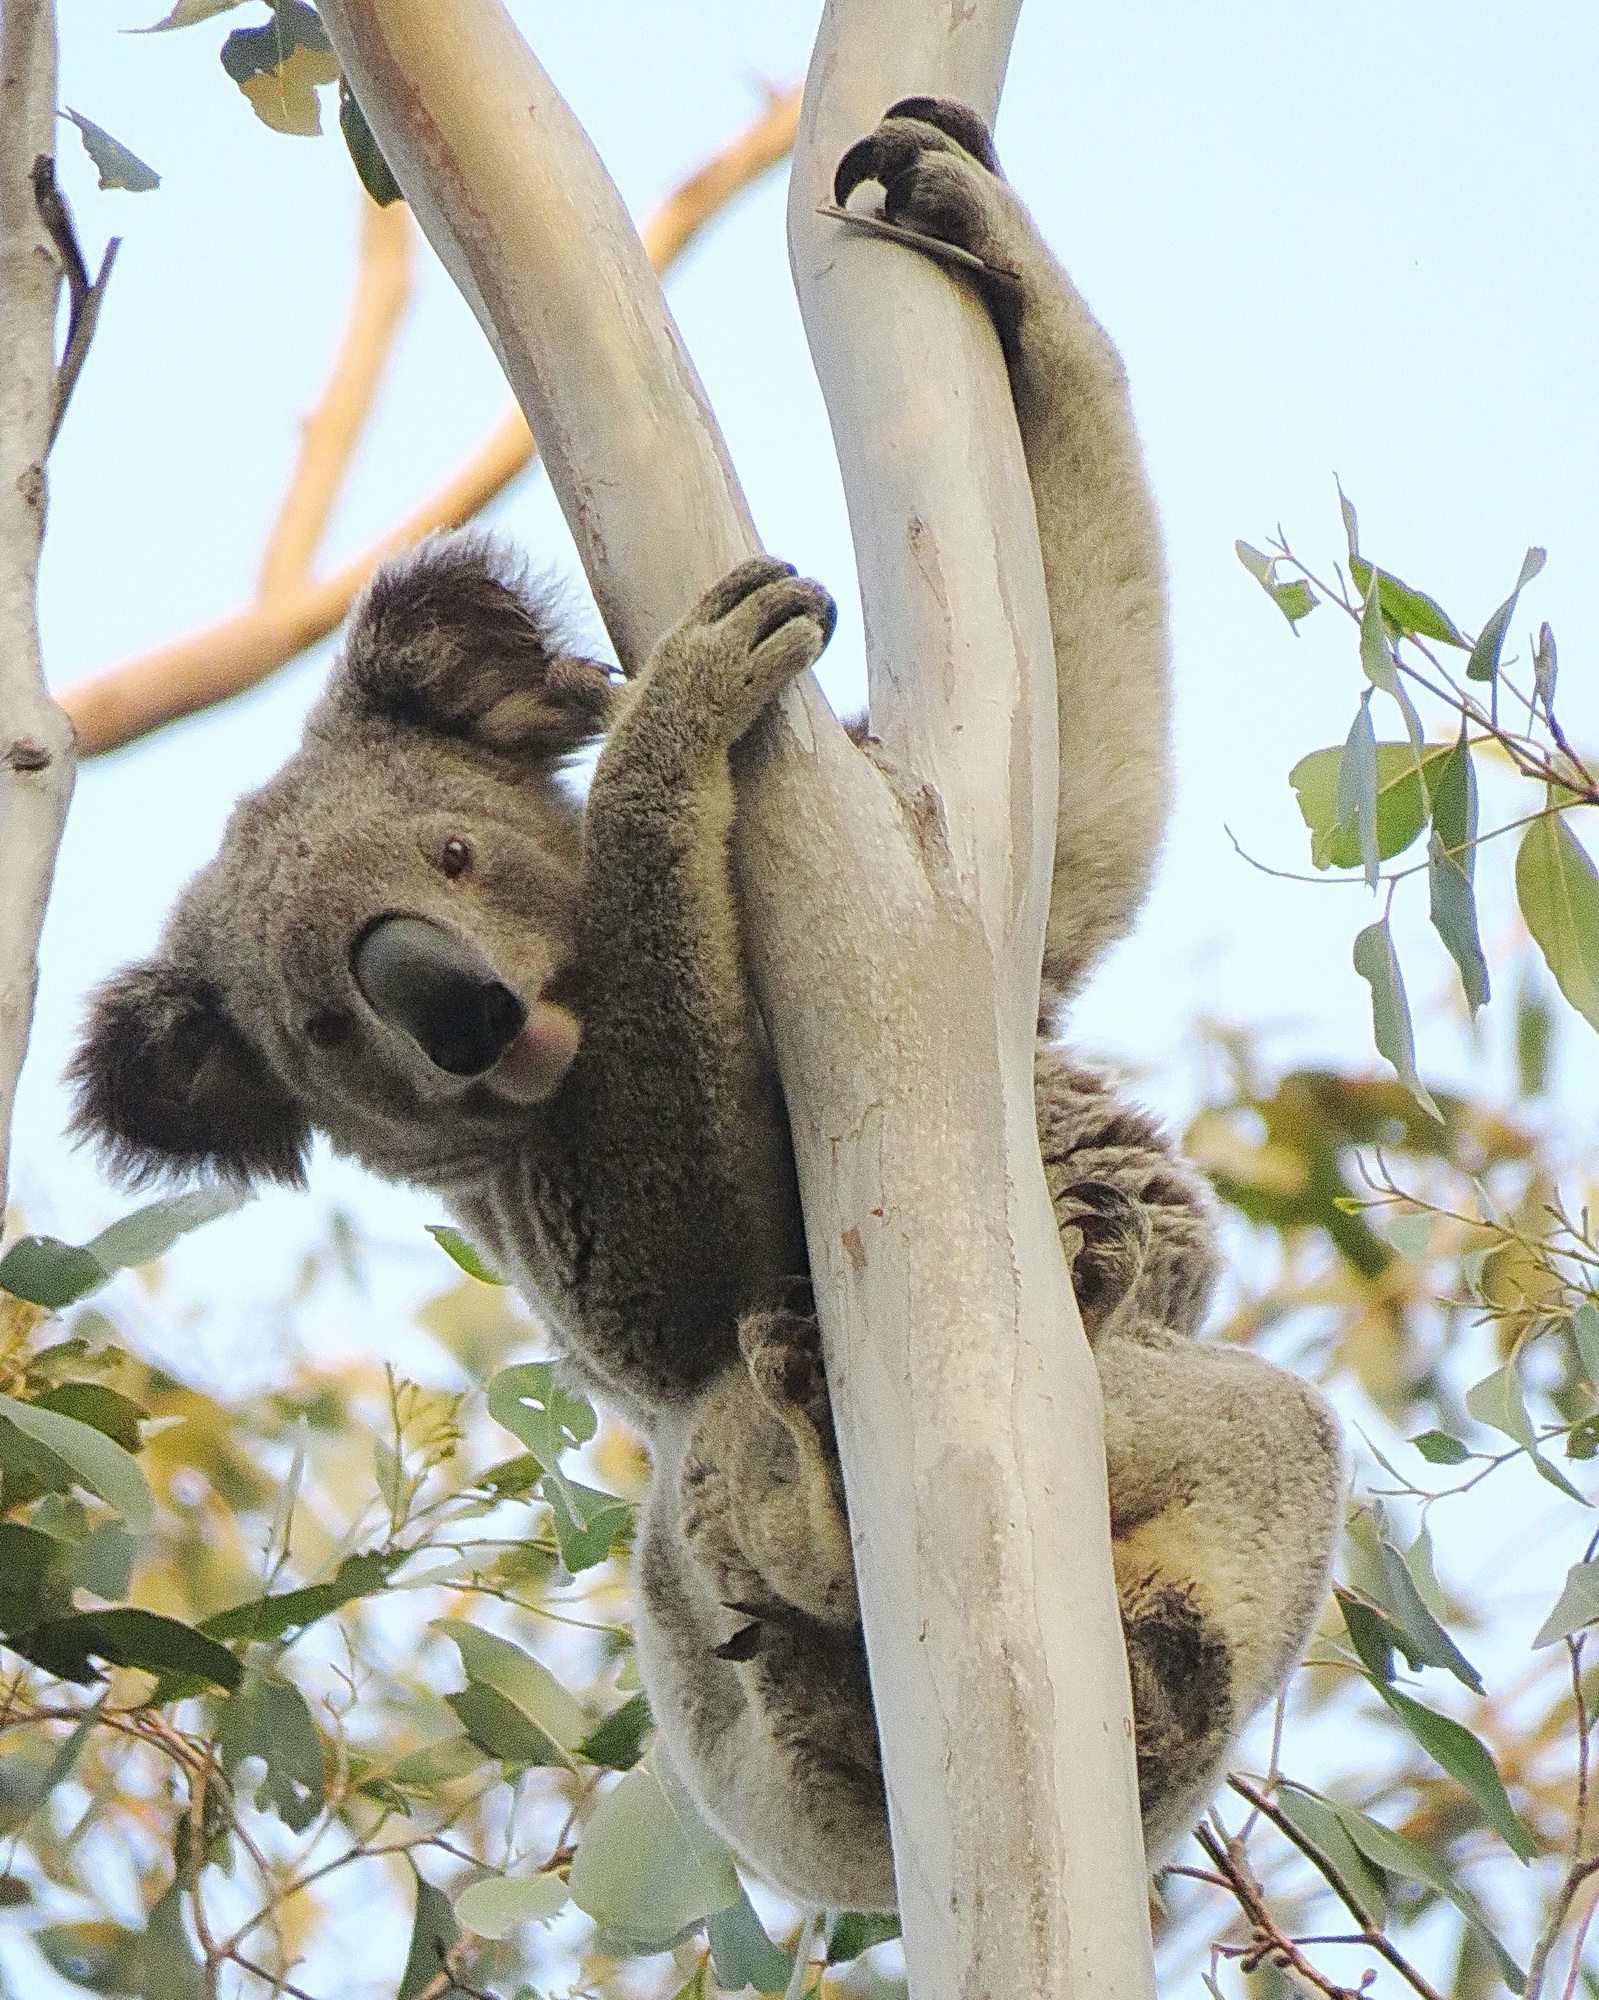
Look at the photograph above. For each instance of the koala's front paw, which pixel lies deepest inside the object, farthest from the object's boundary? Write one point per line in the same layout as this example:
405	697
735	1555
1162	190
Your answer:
742	644
940	176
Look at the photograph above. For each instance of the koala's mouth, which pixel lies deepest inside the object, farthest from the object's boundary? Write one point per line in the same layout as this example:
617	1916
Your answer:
428	984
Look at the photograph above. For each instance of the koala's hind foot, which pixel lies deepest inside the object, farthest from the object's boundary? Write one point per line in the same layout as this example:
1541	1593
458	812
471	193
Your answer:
762	1492
941	182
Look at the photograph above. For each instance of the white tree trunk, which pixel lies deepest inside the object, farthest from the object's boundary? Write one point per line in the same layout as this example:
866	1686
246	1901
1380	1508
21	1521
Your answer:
36	748
896	919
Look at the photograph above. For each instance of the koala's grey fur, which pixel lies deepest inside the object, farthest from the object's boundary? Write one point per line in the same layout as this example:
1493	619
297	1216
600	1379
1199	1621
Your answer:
414	940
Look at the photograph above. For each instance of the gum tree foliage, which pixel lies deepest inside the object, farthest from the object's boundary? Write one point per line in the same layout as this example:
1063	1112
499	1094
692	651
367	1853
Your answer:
362	1643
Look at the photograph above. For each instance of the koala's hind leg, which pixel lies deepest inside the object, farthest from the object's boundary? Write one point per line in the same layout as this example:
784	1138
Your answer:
762	1494
1103	565
1226	1485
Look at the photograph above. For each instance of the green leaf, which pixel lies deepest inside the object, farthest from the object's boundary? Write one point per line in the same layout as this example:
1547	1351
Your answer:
1453	909
1318	1822
1357	788
588	1524
370	164
1535	1034
186	13
1425	1642
1466	1760
1346	507
1408	611
1390	1012
33	1583
1295	600
103	1561
554	1723
150	1232
1582	1440
618	1742
649	1866
1401	802
1439	1448
1577	1605
1584	1327
1400	1855
1372	1635
96	1463
455	1245
270	1719
49	1273
116	166
170	1967
438	1764
857	1931
114	1416
494	1906
531	1401
1496	1401
742	1952
293	1610
434	1935
128	1637
1545	668
1452	794
1558	891
279	66
1484	661
99	1956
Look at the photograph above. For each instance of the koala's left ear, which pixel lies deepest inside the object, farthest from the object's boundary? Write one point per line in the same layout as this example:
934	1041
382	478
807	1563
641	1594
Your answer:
167	1084
454	638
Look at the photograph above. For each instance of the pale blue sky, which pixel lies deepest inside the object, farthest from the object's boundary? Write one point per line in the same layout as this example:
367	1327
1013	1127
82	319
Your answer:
1352	239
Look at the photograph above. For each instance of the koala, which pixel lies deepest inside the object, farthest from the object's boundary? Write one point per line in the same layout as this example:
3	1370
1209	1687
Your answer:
417	941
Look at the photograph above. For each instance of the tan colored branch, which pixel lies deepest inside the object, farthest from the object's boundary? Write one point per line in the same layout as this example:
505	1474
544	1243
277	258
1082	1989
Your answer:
295	609
333	430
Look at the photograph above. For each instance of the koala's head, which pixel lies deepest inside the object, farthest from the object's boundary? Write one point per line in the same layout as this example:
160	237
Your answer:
384	947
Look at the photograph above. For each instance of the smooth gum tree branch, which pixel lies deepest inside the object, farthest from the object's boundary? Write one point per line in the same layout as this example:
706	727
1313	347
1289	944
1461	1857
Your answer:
895	925
36	745
296	609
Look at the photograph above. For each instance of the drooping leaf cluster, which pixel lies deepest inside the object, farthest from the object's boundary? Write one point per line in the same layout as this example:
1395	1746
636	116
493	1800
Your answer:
279	66
261	1644
1367	801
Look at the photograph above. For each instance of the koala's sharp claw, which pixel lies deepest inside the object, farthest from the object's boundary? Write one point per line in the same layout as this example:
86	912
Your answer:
858	164
955	120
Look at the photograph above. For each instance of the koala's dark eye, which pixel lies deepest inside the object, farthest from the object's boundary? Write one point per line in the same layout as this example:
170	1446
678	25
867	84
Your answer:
326	1029
456	857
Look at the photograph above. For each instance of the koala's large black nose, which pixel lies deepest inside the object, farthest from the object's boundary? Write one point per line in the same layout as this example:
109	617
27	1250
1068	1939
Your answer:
431	984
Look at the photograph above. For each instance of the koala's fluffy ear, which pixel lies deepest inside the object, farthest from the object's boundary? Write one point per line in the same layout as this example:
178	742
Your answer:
166	1083
454	638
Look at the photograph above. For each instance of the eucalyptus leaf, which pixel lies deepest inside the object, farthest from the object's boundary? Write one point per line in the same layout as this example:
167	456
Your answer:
1402	804
742	1952
95	1461
588	1524
434	1935
1439	1448
1584	1325
1453	910
117	166
455	1245
1315	1820
1295	599
1377	964
370	165
648	1865
618	1742
1558	890
1400	1855
270	1719
532	1690
1467	1761
1408	610
1357	788
1577	1605
127	1636
1484	661
292	1610
494	1906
